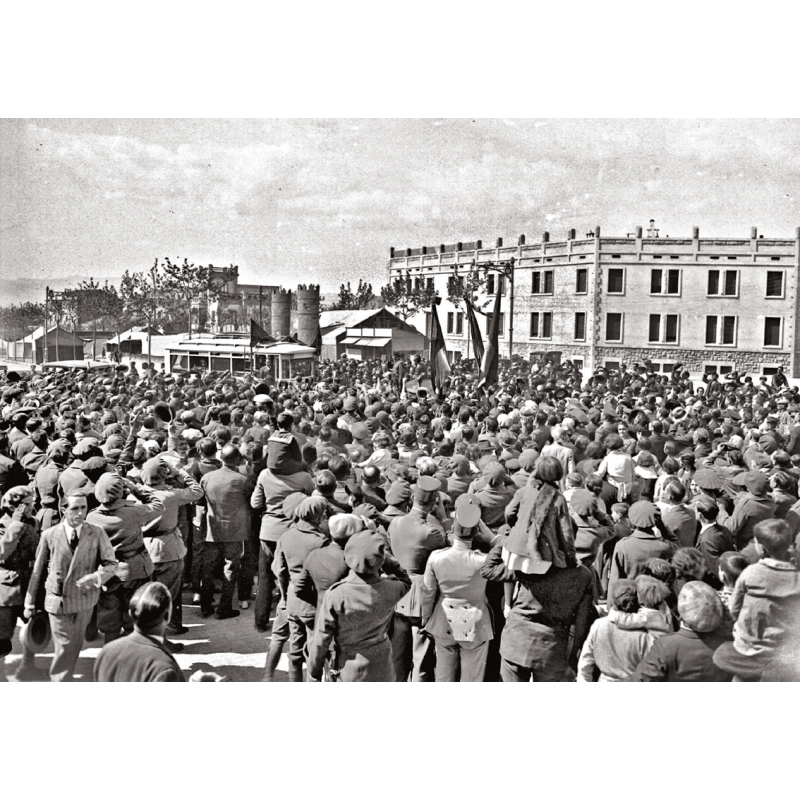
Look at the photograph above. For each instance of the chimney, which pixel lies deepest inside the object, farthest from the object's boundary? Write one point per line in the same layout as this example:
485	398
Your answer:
597	232
391	252
638	231
695	233
441	248
460	247
571	233
408	252
499	241
522	238
479	244
545	237
754	233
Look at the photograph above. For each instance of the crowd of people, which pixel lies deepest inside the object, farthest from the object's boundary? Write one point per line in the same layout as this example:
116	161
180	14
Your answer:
623	526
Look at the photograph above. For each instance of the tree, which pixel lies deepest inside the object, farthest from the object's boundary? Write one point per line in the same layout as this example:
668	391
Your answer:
470	285
183	285
352	300
96	301
407	297
16	321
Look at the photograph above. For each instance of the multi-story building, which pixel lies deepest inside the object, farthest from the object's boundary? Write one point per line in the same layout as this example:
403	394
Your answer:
600	301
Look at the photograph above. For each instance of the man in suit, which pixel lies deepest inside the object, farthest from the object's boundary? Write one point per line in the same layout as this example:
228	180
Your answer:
677	518
141	657
227	502
714	539
73	560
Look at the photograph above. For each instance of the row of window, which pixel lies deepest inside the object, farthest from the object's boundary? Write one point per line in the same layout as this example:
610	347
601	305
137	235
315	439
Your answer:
721	283
662	328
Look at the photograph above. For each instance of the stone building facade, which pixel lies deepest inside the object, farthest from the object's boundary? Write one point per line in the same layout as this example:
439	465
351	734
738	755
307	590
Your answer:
599	300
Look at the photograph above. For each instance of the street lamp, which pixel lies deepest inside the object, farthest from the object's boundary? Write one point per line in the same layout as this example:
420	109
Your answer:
506	269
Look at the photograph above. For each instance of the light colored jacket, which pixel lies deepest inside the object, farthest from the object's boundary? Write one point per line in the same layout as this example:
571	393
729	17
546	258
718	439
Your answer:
454	575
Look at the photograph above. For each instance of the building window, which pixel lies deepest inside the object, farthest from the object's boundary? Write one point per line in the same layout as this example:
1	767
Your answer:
542	281
611	365
502	323
577	363
580	326
455	286
581	281
665	281
772	332
663	329
614	327
723	282
459	323
721	330
541	325
775	284
450	317
429	283
616	281
495	284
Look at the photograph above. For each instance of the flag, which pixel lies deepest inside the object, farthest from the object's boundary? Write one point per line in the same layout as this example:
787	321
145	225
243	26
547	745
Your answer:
258	335
474	331
316	339
440	365
491	355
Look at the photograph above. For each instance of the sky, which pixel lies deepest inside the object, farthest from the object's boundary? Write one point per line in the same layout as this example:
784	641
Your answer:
322	200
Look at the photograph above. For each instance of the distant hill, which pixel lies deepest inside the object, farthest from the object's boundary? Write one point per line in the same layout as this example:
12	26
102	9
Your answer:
22	290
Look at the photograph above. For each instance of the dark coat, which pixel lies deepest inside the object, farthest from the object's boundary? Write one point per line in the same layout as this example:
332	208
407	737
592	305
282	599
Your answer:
227	501
682	656
136	658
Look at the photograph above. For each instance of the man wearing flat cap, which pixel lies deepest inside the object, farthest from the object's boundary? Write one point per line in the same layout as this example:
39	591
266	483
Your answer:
412	539
303	537
356	613
753	506
634	551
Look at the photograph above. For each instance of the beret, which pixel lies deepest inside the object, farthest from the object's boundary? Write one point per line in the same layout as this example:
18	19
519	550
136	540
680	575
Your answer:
756	482
109	487
512	464
364	552
398	492
349	404
360	431
192	435
494	470
700	607
85	446
642	514
343	526
527	459
583	502
740	479
93	463
708	479
291	503
310	507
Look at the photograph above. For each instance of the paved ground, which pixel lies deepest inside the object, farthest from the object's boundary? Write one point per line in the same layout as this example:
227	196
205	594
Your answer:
231	647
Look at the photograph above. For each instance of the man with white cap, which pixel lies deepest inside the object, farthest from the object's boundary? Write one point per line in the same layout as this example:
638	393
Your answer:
454	609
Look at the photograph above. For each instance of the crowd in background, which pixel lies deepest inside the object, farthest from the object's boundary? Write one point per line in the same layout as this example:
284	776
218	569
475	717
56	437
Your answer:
625	525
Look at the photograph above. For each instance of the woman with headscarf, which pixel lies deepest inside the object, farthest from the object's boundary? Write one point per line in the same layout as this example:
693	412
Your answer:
19	537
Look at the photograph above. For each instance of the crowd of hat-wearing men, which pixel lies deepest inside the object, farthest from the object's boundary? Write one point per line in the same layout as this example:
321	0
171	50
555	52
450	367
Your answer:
628	526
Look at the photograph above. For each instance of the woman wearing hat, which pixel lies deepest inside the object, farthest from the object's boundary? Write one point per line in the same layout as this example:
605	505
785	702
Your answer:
19	538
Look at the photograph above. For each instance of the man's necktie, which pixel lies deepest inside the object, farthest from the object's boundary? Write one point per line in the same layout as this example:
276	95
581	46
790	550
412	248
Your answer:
73	540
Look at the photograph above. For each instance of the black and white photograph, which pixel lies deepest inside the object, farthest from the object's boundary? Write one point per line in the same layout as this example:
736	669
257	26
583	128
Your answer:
390	400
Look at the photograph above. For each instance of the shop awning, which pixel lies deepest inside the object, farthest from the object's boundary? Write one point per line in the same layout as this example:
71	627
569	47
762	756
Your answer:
374	341
350	340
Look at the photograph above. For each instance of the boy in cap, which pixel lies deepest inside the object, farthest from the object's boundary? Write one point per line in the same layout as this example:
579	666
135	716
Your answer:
631	553
765	605
688	654
356	613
